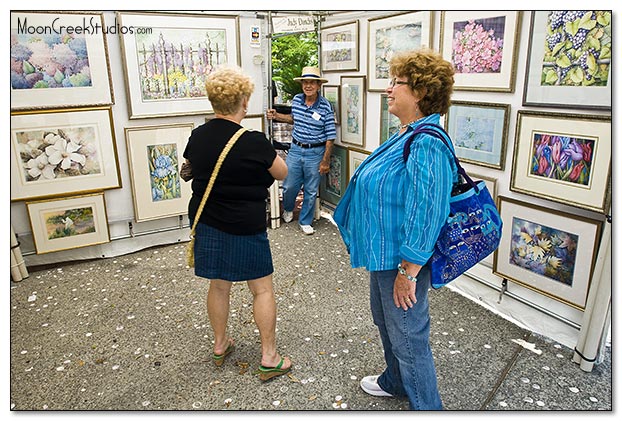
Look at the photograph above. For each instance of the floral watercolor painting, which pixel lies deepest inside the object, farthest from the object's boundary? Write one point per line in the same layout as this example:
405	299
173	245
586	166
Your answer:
577	48
333	178
49	61
69	222
342	43
164	172
389	123
543	250
477	45
475	133
58	153
392	40
563	158
353	106
173	63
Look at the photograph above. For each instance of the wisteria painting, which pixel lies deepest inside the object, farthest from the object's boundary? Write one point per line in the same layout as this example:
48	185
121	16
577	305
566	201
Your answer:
546	251
173	63
563	158
353	106
477	45
164	172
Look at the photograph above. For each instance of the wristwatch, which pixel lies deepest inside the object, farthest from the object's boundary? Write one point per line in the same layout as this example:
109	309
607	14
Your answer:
402	272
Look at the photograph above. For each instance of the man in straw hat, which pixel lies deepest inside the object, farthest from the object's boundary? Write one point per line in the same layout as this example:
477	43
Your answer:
309	156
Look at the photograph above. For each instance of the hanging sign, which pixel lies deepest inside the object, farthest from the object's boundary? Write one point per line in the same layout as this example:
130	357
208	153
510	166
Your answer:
293	24
255	36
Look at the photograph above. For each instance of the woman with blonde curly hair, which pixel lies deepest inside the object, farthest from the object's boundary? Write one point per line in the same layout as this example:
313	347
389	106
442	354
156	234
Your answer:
390	217
231	241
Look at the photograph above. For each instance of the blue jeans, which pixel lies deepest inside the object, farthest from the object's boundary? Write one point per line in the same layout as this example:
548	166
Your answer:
303	168
406	340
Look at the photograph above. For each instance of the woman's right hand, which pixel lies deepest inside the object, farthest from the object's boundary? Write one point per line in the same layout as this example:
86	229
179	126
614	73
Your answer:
271	114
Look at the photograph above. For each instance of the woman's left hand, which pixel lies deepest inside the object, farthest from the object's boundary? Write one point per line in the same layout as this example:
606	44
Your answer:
404	292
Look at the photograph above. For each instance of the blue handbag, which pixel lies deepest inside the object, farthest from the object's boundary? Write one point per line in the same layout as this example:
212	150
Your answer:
473	228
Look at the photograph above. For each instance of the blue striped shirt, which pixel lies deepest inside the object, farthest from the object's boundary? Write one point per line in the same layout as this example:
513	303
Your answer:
394	210
313	130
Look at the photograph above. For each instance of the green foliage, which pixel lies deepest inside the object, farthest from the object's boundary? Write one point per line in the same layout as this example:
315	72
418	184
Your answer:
289	55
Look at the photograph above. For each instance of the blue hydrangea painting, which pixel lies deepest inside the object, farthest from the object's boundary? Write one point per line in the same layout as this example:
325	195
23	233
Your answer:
49	61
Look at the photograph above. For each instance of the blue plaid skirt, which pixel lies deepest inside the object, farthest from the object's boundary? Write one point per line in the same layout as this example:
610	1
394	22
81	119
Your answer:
219	255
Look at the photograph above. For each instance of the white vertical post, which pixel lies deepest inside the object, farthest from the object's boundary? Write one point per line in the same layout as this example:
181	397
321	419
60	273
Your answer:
597	315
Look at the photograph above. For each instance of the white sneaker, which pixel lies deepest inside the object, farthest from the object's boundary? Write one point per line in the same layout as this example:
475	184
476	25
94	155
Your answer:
307	229
288	216
370	385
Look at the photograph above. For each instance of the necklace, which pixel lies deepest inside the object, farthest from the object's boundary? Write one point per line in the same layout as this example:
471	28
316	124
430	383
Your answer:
403	126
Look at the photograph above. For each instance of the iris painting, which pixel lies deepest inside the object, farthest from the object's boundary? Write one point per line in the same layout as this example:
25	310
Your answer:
164	172
562	158
543	250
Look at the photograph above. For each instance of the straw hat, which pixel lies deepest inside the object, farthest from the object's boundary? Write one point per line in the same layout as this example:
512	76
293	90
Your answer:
310	73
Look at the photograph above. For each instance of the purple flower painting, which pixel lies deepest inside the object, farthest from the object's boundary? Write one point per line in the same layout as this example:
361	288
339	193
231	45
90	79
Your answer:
49	61
562	158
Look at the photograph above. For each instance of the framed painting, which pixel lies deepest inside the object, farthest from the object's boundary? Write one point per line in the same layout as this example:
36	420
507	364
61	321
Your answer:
479	132
564	157
353	110
155	155
254	122
483	47
68	223
168	56
331	93
61	152
66	67
569	60
333	185
393	34
355	158
389	123
547	251
340	47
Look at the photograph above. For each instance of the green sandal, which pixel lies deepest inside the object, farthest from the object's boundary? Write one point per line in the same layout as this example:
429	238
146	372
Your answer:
219	359
267	373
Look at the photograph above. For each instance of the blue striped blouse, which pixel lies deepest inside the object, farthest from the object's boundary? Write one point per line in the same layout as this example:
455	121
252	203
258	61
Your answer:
313	130
394	210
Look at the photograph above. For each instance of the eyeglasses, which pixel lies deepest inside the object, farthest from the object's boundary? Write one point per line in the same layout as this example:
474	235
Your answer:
394	82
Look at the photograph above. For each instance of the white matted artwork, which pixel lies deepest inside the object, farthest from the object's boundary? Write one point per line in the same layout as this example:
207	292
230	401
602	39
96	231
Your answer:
253	122
389	35
355	158
68	223
353	110
483	48
62	152
155	155
66	67
548	251
167	61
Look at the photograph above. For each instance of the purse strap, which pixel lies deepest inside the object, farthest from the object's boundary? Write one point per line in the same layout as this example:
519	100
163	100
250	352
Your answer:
212	179
438	132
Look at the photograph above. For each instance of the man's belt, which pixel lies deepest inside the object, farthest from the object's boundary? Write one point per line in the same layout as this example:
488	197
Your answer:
308	145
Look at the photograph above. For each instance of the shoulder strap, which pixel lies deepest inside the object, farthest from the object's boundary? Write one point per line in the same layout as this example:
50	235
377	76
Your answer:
438	132
212	179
